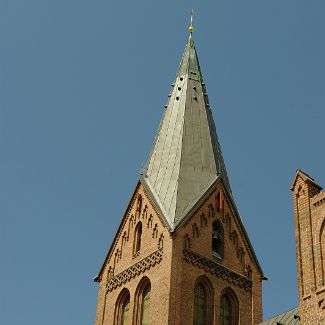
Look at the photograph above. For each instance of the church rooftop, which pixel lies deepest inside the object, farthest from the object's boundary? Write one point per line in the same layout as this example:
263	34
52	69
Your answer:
290	317
186	158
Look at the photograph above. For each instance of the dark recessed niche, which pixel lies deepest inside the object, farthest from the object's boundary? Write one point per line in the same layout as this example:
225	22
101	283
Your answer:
177	98
181	78
179	88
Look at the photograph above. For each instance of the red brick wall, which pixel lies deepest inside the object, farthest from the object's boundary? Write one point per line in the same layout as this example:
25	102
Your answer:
309	213
185	274
120	258
173	278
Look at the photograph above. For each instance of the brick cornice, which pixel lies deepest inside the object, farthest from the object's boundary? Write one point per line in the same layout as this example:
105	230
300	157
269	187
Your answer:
216	269
135	270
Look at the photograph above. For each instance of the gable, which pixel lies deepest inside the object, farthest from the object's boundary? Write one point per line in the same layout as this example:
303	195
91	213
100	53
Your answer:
121	253
217	207
305	178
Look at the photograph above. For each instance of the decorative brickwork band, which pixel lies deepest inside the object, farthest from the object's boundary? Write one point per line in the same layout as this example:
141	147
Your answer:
217	269
135	270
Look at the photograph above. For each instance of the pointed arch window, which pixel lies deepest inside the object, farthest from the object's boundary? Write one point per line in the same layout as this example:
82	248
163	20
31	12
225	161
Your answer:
225	311
228	308
137	239
203	304
142	309
122	308
199	305
217	240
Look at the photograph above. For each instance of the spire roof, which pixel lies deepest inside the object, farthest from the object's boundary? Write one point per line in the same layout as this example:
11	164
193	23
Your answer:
186	158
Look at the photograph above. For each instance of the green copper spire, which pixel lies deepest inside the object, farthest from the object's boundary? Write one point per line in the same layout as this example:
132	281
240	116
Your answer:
190	64
186	159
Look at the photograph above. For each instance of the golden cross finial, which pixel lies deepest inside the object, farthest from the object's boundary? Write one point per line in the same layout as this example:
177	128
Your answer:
191	28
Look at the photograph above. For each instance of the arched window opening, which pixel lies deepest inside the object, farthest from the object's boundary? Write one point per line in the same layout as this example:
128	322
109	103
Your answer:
225	311
217	240
122	309
203	302
200	305
228	308
137	239
145	306
143	302
139	205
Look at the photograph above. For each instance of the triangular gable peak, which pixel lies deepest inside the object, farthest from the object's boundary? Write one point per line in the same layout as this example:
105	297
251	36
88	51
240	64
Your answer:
305	178
141	209
218	205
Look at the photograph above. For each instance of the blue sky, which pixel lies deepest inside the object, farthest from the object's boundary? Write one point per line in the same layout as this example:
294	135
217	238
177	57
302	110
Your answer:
83	87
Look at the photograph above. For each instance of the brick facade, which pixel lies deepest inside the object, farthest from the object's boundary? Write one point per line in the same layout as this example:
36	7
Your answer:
309	214
181	253
174	262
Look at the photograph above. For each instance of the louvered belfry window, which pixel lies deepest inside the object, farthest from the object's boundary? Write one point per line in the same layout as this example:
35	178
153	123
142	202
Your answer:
217	240
200	305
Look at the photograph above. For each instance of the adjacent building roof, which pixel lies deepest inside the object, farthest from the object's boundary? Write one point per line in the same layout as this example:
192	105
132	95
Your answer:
186	158
291	317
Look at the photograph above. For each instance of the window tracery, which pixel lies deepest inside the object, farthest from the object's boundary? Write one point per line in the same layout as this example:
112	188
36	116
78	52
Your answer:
199	305
228	308
203	296
142	310
122	308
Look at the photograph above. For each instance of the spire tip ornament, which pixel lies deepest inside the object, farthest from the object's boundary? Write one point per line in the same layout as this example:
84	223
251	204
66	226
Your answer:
191	28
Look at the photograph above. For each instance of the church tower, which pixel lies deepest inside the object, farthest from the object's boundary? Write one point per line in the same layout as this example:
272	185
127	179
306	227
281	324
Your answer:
309	213
181	255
